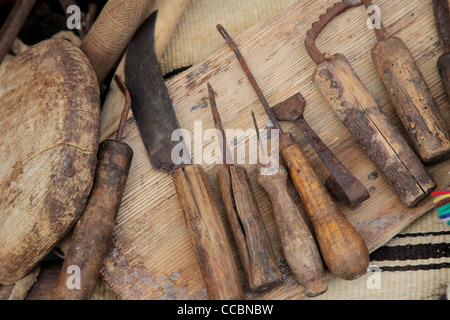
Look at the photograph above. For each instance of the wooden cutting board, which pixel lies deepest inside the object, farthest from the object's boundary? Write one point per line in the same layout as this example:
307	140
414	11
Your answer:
49	133
151	256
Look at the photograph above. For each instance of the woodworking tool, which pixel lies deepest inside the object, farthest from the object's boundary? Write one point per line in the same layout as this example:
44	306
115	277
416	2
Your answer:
14	22
442	17
246	221
342	248
342	184
358	110
93	231
411	97
298	243
156	120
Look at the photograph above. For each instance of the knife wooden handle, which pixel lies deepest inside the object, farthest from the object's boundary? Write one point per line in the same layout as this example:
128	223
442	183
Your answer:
248	229
298	244
207	234
111	32
341	246
92	234
444	71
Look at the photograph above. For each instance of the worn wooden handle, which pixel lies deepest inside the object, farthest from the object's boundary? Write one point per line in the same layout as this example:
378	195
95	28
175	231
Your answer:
111	32
248	229
298	244
93	232
444	71
207	234
342	248
412	99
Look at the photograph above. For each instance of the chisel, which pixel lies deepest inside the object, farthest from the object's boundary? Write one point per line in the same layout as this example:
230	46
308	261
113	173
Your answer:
341	246
246	221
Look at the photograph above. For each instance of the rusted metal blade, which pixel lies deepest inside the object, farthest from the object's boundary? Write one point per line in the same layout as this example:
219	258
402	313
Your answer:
152	106
442	17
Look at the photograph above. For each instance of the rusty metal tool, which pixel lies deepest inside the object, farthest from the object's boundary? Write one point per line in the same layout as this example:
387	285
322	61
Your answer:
358	110
13	24
246	222
442	17
93	231
297	241
411	97
342	184
342	248
156	120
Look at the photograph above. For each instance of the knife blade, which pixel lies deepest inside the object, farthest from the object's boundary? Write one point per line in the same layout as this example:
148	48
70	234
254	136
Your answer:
156	120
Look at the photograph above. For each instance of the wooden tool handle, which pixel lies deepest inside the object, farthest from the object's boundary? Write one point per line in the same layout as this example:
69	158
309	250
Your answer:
412	99
297	241
92	234
342	248
444	71
207	234
111	32
248	229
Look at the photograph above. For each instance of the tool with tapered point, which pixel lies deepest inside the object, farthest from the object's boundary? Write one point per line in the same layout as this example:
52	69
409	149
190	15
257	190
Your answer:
298	244
442	17
341	184
411	97
92	234
358	110
342	248
156	120
246	221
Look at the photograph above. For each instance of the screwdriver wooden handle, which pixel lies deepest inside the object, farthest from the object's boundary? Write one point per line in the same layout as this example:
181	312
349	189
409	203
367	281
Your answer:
341	246
297	241
93	232
111	32
248	229
207	234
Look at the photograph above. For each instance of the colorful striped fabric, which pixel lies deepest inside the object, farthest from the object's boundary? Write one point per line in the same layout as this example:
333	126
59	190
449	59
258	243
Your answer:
442	205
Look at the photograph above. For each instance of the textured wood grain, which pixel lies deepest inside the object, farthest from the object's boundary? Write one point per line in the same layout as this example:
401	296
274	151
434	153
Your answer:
248	229
49	133
151	256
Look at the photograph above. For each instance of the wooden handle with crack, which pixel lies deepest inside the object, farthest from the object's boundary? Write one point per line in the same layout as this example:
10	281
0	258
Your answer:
207	234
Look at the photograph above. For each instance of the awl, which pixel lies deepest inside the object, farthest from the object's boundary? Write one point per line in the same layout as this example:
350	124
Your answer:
156	120
442	17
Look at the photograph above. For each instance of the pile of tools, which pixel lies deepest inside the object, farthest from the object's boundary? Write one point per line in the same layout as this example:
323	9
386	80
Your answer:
332	244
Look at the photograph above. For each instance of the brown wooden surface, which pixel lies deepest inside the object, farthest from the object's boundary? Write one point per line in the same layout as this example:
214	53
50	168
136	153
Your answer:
49	133
344	252
93	231
383	143
249	232
297	241
409	93
207	234
151	256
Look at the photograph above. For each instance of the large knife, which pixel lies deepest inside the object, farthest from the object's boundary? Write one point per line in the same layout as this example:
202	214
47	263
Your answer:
156	120
442	17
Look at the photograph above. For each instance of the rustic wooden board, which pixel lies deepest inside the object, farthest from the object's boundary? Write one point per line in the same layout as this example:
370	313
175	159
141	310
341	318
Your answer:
151	256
